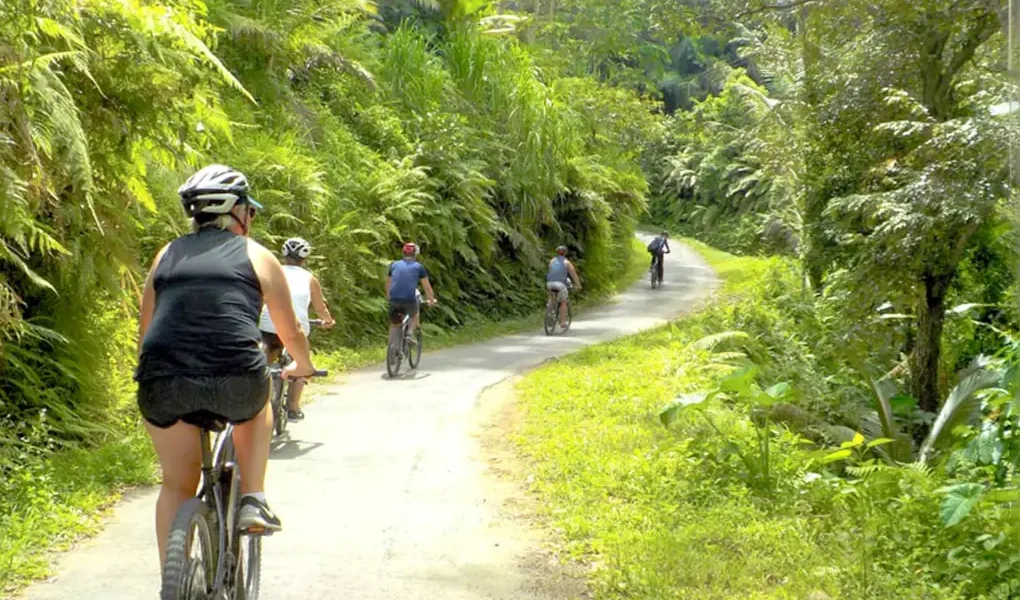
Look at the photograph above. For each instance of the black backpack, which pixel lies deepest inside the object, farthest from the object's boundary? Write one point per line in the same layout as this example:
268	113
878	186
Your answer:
655	245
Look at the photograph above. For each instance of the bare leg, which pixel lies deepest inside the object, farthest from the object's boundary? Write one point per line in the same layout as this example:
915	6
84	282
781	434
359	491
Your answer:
563	314
251	440
294	395
180	458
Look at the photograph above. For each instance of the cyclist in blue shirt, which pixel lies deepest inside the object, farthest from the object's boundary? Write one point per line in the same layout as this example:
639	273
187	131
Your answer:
402	288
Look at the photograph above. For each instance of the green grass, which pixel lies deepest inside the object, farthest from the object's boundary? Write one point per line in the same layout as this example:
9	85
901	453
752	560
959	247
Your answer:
659	513
53	501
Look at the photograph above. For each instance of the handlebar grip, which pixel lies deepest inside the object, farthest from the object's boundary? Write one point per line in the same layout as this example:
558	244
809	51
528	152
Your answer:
315	321
321	373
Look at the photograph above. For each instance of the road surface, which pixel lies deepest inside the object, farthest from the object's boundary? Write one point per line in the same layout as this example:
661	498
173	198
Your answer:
382	489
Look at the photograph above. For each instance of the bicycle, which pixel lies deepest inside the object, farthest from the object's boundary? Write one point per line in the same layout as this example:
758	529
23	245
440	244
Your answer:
230	564
656	280
278	393
410	346
552	316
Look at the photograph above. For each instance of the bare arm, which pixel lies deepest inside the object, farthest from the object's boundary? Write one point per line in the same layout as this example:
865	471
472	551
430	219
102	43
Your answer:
428	290
389	282
319	303
573	275
276	295
148	302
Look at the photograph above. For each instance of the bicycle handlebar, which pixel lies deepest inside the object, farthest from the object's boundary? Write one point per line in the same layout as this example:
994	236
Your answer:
317	373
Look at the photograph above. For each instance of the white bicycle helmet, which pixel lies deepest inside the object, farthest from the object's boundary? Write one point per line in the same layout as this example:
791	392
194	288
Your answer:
297	248
215	190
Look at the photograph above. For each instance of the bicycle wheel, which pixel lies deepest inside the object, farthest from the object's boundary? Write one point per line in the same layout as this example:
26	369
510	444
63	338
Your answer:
550	317
414	352
393	357
655	274
248	571
279	413
186	577
570	315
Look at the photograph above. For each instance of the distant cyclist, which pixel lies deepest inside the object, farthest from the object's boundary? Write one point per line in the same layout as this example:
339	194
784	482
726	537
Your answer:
560	270
402	281
198	340
304	290
657	248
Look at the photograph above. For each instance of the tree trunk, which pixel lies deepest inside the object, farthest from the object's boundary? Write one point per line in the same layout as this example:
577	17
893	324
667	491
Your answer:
928	349
812	255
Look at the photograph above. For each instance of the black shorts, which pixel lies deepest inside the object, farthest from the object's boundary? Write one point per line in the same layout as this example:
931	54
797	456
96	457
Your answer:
399	308
271	342
202	401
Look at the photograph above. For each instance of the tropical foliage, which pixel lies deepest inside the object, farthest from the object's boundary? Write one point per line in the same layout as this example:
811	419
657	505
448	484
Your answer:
775	476
357	131
869	143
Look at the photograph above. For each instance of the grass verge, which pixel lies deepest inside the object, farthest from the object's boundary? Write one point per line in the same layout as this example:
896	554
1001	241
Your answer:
51	501
658	513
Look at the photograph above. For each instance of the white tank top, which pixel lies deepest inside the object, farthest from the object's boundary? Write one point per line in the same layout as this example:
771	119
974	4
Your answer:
299	280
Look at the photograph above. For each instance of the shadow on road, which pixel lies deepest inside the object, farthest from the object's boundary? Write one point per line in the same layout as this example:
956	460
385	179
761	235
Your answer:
412	375
290	449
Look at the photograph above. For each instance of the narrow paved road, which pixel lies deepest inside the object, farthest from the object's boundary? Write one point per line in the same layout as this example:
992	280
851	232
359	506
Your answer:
382	490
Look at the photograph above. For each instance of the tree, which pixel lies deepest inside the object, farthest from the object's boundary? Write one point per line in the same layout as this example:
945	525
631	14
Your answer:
940	172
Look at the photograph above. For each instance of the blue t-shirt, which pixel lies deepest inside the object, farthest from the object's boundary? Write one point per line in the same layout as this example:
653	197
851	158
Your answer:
406	274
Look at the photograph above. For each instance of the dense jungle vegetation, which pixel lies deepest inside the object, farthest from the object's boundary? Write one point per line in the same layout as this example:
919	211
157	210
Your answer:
359	125
842	422
861	145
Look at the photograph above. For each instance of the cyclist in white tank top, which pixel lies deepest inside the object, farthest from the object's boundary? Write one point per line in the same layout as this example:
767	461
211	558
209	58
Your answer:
299	280
304	291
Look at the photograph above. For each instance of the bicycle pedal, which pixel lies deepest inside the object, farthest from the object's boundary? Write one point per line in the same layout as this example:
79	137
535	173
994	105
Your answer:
258	531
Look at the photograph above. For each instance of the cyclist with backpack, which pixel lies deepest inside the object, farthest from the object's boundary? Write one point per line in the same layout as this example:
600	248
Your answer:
304	290
657	248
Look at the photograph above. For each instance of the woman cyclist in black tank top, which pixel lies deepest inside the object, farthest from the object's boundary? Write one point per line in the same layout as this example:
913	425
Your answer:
199	355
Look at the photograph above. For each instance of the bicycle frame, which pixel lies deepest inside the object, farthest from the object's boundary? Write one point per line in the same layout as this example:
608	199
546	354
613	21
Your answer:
214	471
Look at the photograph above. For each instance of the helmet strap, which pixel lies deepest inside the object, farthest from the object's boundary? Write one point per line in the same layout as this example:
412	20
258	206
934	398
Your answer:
244	224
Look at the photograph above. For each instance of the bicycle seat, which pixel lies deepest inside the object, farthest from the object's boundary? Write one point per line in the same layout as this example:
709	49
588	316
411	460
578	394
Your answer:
206	420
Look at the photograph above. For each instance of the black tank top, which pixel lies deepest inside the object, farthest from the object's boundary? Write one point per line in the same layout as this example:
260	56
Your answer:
208	301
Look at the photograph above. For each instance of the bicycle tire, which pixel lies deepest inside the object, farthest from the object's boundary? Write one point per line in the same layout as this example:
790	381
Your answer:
655	273
393	358
279	414
570	314
550	318
248	570
184	579
414	353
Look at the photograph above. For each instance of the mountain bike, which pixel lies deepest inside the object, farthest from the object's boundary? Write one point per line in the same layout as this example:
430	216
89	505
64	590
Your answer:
229	564
552	317
656	280
403	344
280	388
